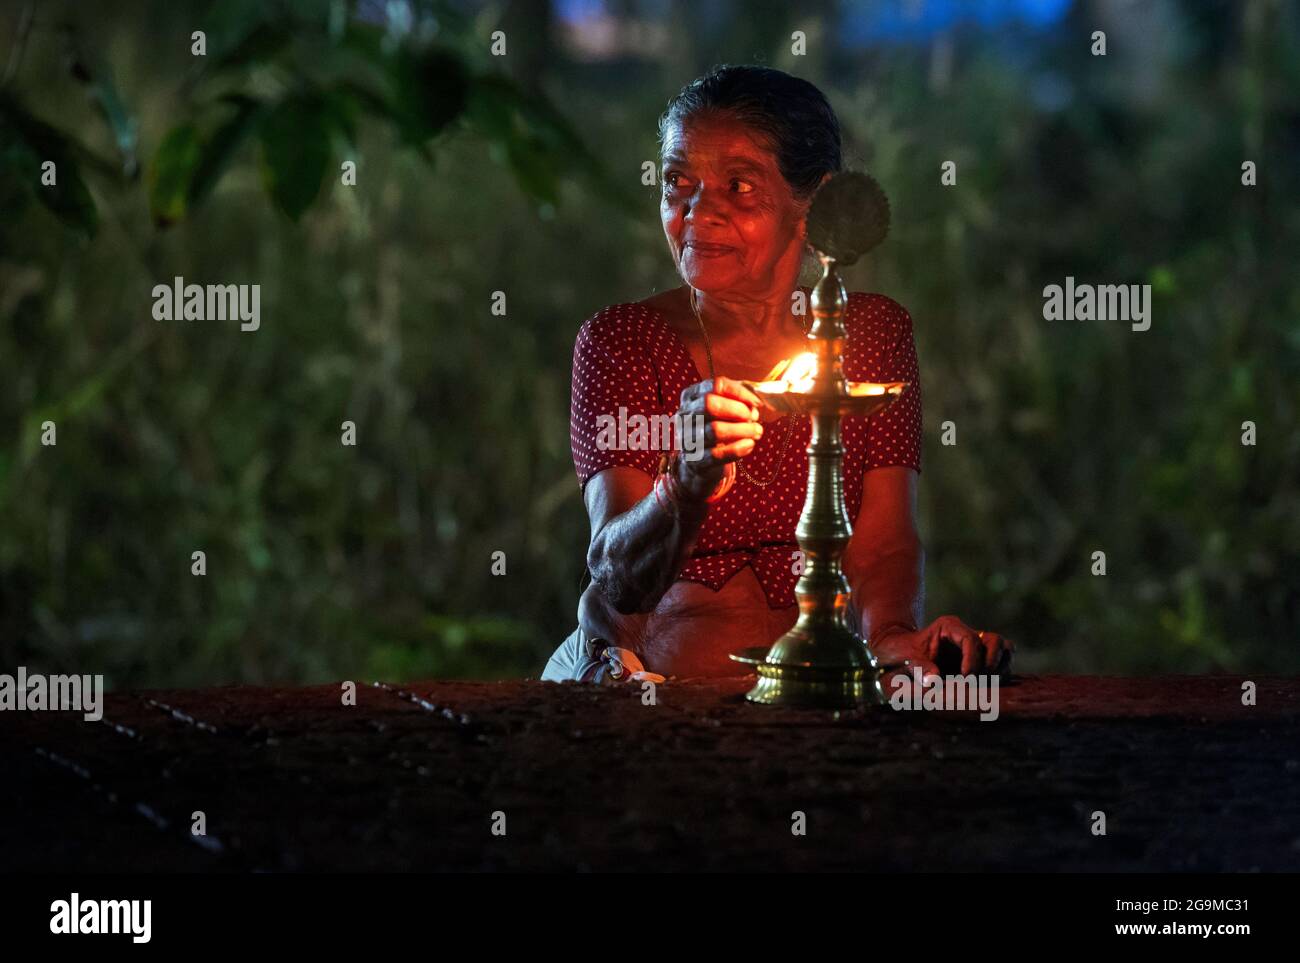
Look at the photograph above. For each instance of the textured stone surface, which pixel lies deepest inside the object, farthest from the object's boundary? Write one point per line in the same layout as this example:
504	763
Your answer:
589	778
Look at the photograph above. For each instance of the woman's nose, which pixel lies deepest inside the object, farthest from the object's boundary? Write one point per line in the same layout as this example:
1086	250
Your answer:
703	206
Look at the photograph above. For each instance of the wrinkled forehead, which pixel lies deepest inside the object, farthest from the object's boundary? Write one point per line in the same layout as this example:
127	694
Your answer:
717	139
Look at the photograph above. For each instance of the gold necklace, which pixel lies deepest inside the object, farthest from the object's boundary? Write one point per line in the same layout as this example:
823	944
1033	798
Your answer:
789	430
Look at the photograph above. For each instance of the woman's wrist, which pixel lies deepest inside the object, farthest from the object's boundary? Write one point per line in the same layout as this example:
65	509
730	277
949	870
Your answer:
686	484
886	629
673	497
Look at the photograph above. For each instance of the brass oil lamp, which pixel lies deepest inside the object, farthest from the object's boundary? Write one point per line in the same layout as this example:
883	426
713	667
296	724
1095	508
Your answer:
822	661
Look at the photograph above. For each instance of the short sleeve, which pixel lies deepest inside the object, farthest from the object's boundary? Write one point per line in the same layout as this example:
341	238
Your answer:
894	435
614	382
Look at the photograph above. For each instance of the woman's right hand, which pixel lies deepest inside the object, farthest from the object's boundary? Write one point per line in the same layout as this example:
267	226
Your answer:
729	414
947	646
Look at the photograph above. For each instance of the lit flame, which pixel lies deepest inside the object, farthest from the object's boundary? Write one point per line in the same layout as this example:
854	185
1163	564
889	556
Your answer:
799	374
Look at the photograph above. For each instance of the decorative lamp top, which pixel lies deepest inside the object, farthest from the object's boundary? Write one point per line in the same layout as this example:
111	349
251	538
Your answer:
848	217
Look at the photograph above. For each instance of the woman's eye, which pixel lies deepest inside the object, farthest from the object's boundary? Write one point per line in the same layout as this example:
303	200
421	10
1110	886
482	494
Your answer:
741	187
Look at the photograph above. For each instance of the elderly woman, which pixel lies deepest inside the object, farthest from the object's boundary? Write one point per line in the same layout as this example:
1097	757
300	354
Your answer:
692	558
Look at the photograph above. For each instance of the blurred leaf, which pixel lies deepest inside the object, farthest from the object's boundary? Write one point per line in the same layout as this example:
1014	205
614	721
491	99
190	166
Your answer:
1163	280
419	90
364	39
69	198
534	169
295	152
172	172
493	107
188	165
217	150
341	108
262	43
537	142
31	142
431	88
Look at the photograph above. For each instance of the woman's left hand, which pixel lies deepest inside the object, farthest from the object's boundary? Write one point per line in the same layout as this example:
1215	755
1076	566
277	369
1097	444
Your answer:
936	647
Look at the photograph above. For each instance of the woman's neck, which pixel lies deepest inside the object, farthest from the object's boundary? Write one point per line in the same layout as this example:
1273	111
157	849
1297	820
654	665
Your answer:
739	315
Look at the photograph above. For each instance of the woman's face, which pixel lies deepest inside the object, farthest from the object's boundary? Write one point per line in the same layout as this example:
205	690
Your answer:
732	223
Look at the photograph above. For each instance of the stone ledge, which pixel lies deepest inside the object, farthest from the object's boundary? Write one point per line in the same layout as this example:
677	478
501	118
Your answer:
590	778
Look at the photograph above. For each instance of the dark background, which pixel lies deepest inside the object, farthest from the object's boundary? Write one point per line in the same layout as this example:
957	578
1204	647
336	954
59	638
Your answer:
522	174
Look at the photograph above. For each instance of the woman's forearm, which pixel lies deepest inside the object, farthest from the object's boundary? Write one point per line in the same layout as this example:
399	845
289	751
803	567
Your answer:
636	556
890	587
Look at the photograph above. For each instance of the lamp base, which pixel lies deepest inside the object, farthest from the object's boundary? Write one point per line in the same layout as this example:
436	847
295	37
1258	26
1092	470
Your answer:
809	686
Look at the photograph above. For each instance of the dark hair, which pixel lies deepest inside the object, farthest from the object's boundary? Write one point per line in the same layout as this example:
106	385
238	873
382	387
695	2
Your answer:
792	114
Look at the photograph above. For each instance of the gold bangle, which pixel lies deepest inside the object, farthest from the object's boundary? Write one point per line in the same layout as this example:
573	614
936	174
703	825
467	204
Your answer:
668	468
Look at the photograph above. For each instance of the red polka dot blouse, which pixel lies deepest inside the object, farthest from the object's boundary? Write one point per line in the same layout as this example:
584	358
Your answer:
628	356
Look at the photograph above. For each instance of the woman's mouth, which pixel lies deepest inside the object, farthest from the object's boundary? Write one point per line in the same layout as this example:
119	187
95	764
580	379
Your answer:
704	249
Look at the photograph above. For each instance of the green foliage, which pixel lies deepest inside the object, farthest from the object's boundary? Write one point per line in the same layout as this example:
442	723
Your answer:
173	172
25	144
295	152
298	80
